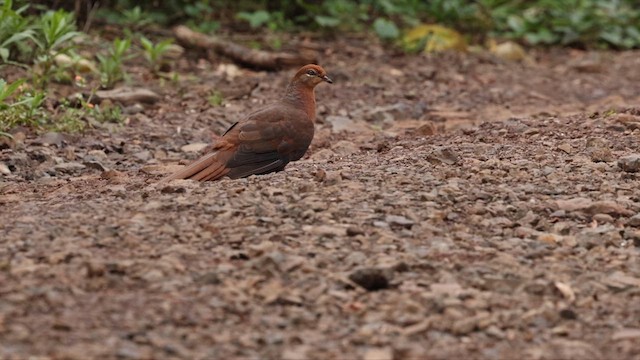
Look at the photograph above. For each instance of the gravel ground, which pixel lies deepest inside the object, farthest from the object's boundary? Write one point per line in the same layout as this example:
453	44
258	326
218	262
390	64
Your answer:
453	206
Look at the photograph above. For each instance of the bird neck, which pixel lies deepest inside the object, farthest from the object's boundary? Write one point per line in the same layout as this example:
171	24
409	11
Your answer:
301	95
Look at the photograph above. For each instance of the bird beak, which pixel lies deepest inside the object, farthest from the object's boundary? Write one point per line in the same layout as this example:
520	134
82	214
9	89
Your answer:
327	79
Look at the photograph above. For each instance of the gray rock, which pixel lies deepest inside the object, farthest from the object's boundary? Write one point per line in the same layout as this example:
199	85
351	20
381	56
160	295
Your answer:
630	163
399	221
51	138
68	167
339	123
345	148
634	220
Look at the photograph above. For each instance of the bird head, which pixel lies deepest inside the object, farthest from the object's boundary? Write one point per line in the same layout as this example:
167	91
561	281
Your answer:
312	75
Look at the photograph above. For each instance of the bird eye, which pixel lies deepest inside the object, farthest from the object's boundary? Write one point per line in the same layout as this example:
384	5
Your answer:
312	72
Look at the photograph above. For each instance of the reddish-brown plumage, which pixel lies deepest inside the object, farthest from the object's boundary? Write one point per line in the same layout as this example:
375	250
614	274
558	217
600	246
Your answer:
267	139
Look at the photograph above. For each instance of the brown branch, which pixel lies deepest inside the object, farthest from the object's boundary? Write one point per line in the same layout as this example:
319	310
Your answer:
241	54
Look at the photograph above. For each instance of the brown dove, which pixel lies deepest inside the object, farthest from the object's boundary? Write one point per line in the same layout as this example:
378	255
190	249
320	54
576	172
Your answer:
267	139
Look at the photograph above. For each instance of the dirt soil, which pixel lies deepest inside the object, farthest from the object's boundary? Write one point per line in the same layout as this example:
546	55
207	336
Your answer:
512	232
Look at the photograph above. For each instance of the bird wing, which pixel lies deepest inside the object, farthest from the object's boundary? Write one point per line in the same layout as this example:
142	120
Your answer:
264	141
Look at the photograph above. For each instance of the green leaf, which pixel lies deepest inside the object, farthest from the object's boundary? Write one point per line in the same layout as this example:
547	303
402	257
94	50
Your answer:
4	54
386	29
8	90
326	21
256	19
515	23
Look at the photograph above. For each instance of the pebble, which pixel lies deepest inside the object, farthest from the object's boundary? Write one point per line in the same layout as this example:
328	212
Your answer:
399	220
634	220
603	218
630	163
68	167
345	148
194	147
598	150
371	279
339	123
4	169
144	155
385	353
565	147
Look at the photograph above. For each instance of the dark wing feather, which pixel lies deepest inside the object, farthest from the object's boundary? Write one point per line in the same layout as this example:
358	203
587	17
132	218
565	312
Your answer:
261	137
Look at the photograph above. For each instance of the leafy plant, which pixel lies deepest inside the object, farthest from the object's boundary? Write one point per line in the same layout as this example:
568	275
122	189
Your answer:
25	110
7	90
154	52
571	22
15	29
136	17
55	29
215	98
200	15
111	70
386	29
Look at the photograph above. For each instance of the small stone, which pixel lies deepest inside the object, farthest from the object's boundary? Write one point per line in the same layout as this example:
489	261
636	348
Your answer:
127	95
427	129
565	147
194	147
372	279
95	155
603	218
630	163
324	154
626	334
551	239
629	121
325	230
332	177
134	109
110	174
153	275
354	231
443	155
634	220
95	165
68	167
345	148
385	353
339	123
4	169
400	221
208	278
144	155
51	138
598	150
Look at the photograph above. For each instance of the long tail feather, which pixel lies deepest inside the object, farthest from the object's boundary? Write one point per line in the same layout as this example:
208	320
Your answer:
199	169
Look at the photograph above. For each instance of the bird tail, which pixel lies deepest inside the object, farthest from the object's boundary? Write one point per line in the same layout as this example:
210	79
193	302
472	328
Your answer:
208	167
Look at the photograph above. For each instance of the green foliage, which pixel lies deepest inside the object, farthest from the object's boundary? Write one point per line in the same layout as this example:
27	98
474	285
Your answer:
15	30
216	98
107	114
200	16
136	18
613	23
154	53
131	17
385	29
54	31
111	70
256	19
7	91
26	109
